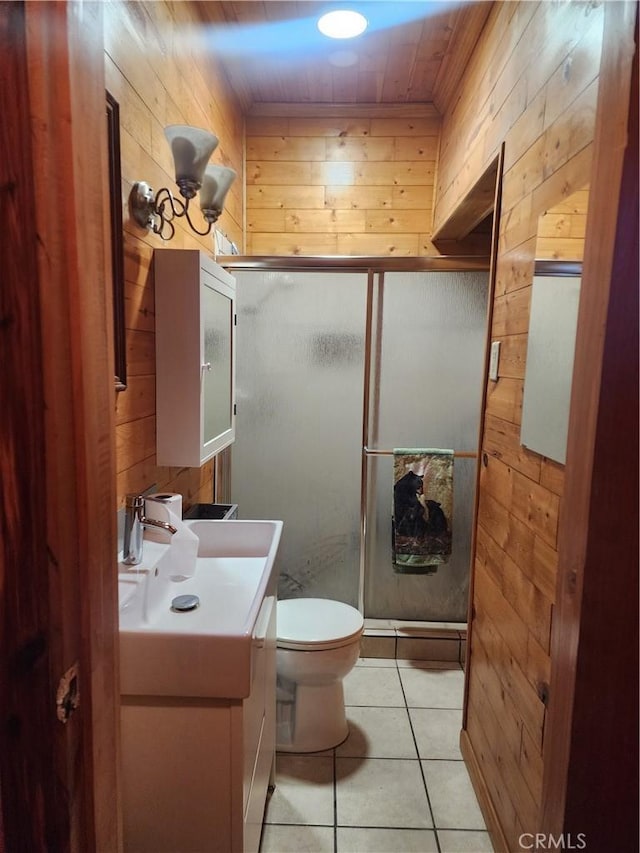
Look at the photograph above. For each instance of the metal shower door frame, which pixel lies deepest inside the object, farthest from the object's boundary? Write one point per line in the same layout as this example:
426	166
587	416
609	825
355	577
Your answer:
375	268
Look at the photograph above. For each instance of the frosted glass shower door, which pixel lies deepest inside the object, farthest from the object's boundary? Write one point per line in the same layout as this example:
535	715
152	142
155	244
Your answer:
427	375
299	388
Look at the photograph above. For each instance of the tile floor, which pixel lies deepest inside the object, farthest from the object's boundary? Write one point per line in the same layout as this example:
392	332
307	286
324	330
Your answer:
396	785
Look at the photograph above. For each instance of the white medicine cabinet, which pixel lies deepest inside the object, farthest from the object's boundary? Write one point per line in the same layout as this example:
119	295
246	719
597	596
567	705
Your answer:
195	357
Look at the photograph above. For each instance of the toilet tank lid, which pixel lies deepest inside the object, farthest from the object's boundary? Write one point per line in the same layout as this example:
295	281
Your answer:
317	620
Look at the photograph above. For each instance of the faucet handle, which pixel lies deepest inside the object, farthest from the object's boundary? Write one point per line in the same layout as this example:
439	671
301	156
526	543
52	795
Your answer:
134	502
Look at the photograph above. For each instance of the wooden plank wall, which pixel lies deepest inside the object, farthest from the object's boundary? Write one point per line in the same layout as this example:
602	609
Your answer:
354	182
157	69
532	82
561	229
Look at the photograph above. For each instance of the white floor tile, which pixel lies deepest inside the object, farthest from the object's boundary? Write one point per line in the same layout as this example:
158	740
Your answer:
443	688
378	733
304	791
452	797
297	839
373	686
378	797
437	732
464	841
381	792
351	840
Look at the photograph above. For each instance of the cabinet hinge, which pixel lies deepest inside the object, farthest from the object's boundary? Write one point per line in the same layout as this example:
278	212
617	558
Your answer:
235	319
235	409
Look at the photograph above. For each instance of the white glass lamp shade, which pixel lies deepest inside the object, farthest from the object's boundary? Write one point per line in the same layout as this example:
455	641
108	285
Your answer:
215	186
191	148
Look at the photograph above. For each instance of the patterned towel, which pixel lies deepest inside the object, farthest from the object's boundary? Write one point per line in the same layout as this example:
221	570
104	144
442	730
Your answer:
422	509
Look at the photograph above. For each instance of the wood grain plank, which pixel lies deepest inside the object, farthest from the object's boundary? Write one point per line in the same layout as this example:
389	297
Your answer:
397	221
347	127
494	613
286	197
286	148
507	652
536	506
511	313
135	440
280	172
504	399
271	126
543	568
513	356
139	403
266	220
400	245
325	221
502	440
515	268
292	244
424	114
359	198
140	352
486	751
463	41
418	197
552	476
397	173
416	147
402	127
361	149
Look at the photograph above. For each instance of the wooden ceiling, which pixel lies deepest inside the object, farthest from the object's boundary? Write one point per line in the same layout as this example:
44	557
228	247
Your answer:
413	52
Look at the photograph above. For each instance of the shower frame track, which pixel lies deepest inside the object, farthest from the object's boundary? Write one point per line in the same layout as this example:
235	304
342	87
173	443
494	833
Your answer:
375	268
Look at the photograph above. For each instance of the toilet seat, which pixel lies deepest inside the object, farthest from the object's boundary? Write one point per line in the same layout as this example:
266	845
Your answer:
314	624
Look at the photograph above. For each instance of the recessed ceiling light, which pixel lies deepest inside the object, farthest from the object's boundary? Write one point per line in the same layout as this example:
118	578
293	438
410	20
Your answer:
342	24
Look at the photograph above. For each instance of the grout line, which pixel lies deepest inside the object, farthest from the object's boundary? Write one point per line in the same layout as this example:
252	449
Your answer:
335	801
424	780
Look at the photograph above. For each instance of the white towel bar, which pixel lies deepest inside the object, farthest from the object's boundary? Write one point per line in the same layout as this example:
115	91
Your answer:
464	454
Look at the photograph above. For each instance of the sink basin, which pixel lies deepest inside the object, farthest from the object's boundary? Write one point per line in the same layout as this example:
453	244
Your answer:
204	652
233	538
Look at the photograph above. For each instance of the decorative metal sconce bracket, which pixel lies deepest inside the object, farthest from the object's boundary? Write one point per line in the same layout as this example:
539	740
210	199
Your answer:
157	211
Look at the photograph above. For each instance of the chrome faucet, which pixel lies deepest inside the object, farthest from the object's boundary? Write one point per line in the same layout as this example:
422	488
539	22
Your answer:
134	519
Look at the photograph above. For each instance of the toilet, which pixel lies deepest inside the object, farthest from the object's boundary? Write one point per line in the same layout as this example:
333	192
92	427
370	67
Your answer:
318	644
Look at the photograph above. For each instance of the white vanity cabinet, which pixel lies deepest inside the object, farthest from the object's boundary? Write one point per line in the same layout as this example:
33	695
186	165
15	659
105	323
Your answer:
195	357
195	770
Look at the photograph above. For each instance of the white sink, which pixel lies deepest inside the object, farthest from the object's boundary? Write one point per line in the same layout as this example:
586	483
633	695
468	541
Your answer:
206	651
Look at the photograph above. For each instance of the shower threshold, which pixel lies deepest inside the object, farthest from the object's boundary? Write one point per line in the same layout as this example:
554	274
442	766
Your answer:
408	640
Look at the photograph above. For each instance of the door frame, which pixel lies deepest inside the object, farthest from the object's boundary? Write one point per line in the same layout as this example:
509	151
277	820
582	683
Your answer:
58	596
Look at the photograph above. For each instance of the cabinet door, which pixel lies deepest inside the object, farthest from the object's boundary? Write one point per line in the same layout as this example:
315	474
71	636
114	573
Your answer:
217	369
259	727
195	357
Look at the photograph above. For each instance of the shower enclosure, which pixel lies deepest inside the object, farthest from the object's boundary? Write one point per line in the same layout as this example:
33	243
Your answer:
339	362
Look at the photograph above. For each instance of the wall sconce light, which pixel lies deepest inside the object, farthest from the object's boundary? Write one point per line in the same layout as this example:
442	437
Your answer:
191	148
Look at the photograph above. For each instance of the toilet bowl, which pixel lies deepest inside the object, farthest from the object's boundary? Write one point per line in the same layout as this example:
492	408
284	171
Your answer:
318	644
